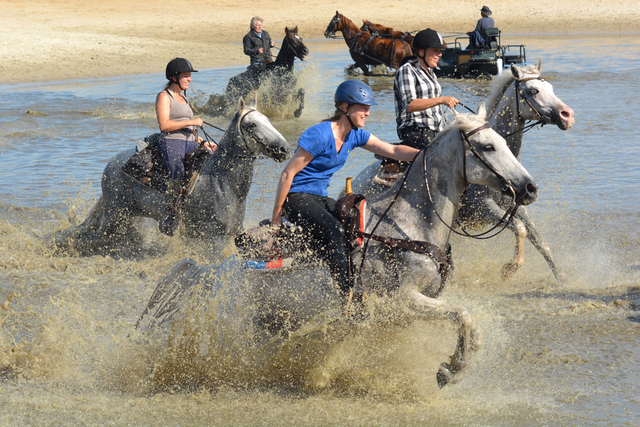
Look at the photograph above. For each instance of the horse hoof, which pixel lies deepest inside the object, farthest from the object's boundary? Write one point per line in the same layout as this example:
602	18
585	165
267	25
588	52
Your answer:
509	270
297	113
444	375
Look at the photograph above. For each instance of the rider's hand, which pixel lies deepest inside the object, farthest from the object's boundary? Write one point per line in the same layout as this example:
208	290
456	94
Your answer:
276	221
197	122
272	43
211	147
260	50
450	101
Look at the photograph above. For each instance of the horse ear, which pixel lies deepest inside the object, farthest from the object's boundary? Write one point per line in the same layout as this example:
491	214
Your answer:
240	105
286	30
539	65
517	73
296	30
253	100
482	111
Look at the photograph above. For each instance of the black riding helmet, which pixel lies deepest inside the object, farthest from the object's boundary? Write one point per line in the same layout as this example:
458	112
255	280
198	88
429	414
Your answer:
177	66
427	38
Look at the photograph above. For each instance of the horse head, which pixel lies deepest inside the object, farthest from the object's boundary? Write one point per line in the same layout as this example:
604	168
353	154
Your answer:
294	43
536	100
258	133
488	161
334	25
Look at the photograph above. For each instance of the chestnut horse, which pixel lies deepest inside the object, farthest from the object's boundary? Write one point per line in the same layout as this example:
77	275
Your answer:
386	32
366	48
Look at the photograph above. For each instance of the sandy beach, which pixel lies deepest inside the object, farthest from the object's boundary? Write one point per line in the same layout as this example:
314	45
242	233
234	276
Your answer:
68	39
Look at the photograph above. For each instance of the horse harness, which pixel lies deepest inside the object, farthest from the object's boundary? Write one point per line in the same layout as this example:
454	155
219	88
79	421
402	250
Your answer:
361	51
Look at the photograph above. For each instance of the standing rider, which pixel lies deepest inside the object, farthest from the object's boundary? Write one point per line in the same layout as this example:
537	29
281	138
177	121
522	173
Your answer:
322	150
257	44
176	122
417	92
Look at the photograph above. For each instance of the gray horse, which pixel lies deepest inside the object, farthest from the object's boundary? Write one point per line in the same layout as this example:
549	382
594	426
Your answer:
517	97
403	261
212	213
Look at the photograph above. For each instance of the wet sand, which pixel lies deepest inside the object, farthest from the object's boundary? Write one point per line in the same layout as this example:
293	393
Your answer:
68	39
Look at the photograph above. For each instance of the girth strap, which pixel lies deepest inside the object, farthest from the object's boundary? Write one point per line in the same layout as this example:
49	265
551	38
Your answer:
425	248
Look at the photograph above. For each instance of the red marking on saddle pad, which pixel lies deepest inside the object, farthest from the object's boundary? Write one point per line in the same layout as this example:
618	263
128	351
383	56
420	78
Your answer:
362	207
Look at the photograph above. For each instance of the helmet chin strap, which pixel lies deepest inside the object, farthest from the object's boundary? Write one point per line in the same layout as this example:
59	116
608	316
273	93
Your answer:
177	81
346	113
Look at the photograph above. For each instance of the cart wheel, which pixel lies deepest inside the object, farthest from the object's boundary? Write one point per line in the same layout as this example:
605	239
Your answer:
484	76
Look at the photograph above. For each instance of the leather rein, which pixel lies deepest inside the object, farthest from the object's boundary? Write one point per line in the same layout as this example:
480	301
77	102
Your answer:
442	259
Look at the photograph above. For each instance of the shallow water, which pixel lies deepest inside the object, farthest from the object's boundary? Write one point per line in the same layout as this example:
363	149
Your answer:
552	354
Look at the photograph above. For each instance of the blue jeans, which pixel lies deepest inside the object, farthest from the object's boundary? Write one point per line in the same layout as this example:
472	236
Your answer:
173	152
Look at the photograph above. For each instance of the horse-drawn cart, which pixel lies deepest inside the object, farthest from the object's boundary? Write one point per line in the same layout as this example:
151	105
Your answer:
483	61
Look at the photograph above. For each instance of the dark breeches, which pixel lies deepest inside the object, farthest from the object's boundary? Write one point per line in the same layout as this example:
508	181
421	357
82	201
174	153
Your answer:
173	152
315	214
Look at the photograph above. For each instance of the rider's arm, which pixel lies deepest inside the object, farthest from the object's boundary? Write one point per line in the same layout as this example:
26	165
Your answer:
163	111
300	159
247	45
393	151
423	104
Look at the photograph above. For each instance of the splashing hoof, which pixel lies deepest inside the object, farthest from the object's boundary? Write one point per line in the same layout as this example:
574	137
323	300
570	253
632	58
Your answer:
509	270
444	375
297	113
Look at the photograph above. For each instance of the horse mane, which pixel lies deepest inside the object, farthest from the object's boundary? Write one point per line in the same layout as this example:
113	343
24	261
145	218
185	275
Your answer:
502	82
465	122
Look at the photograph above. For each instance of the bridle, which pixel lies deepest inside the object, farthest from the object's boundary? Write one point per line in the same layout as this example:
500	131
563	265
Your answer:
331	28
428	248
541	120
251	135
507	187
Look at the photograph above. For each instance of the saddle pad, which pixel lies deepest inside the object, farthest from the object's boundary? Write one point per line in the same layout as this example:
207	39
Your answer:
269	265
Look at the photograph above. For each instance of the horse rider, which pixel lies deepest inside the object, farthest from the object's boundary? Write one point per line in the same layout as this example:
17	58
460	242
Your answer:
176	123
476	38
417	92
257	44
322	150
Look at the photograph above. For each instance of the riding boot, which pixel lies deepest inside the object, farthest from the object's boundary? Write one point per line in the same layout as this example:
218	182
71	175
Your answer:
170	222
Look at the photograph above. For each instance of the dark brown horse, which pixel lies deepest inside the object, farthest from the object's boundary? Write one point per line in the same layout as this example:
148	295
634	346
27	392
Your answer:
366	48
386	32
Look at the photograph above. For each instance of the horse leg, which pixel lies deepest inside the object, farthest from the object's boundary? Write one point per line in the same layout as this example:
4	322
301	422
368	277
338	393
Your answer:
300	96
510	268
538	242
468	334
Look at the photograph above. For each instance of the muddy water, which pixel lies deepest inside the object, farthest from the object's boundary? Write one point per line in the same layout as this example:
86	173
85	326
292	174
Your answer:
552	354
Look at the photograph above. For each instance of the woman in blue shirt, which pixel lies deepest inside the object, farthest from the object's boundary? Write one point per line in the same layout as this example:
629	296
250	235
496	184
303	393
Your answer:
322	150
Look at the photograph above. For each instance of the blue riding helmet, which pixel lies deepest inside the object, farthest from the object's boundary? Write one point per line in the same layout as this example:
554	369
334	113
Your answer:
354	92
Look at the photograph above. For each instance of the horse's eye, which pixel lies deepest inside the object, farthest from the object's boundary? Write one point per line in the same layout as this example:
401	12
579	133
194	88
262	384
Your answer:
489	147
534	91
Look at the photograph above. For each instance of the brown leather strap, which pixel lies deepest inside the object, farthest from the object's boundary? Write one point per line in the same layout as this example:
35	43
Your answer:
425	248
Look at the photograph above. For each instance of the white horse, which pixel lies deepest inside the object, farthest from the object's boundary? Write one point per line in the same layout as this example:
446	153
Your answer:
407	231
212	213
517	97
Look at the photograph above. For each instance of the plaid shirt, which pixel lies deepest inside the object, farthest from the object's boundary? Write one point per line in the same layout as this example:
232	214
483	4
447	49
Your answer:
414	82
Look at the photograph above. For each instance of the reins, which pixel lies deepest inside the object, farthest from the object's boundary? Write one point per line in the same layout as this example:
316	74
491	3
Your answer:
506	187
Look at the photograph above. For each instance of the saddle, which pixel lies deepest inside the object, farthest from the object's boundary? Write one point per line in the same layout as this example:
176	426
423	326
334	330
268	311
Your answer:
147	167
269	247
273	248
